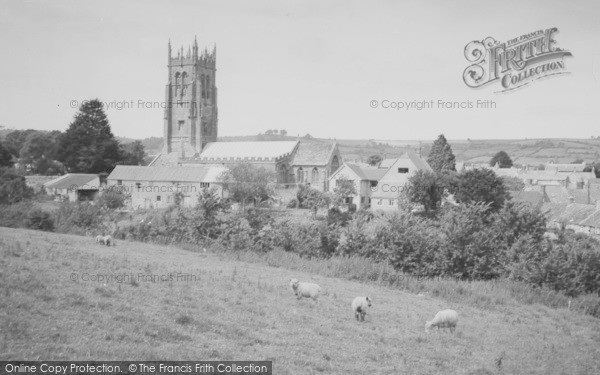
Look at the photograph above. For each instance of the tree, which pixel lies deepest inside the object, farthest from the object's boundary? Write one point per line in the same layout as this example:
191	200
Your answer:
374	159
205	218
283	132
244	181
15	140
314	199
13	189
343	189
479	186
134	153
5	157
39	152
88	145
425	188
441	157
502	159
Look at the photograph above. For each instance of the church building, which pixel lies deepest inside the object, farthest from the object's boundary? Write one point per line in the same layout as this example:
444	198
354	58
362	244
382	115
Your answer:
191	128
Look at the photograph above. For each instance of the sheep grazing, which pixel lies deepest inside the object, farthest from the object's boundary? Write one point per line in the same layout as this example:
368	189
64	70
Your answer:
100	239
308	290
443	319
108	241
359	306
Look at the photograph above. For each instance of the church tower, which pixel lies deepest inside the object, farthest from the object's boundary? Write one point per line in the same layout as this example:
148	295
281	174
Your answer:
190	101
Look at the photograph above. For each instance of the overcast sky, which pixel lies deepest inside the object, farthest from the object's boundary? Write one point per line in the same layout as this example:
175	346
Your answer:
304	66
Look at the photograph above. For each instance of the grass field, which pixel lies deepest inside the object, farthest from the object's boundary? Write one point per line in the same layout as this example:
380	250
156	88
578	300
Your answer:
232	310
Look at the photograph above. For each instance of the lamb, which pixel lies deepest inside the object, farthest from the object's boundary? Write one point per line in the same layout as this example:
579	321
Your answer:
443	319
359	306
100	239
308	290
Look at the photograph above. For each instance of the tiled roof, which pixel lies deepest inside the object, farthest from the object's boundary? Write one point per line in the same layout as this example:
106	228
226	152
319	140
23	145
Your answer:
162	173
367	173
535	198
313	153
565	167
165	159
580	196
387	163
557	194
419	162
592	221
70	180
553	210
575	213
247	151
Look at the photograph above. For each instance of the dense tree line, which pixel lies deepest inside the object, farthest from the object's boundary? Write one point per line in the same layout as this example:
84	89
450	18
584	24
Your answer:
87	146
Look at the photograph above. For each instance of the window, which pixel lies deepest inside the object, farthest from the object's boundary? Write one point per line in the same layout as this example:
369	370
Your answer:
315	175
183	83
362	200
158	198
391	203
373	184
180	124
379	202
205	184
138	185
176	83
119	182
348	200
369	200
402	170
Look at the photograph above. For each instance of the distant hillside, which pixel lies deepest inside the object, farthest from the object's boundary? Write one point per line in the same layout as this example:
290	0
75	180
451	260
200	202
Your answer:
522	151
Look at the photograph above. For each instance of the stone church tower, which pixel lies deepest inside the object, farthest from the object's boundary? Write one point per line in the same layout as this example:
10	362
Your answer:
191	102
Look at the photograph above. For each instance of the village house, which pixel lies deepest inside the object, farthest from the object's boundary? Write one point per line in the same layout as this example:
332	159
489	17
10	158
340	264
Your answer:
581	218
378	187
385	195
74	187
365	179
157	187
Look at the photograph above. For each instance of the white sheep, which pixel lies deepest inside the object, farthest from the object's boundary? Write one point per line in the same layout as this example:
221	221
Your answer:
308	290
443	319
108	241
100	239
359	306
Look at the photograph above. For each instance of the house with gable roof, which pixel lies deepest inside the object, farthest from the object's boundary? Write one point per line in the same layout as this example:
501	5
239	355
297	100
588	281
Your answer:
74	187
385	195
156	187
365	180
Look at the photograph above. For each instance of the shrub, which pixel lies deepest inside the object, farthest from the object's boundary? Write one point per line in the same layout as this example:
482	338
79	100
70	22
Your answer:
14	215
112	198
40	220
80	217
13	189
570	265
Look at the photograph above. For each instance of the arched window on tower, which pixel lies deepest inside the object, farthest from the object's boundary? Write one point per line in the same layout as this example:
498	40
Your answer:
207	87
203	82
183	83
177	83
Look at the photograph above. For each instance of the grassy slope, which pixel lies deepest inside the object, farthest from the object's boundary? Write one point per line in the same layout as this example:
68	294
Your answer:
246	311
